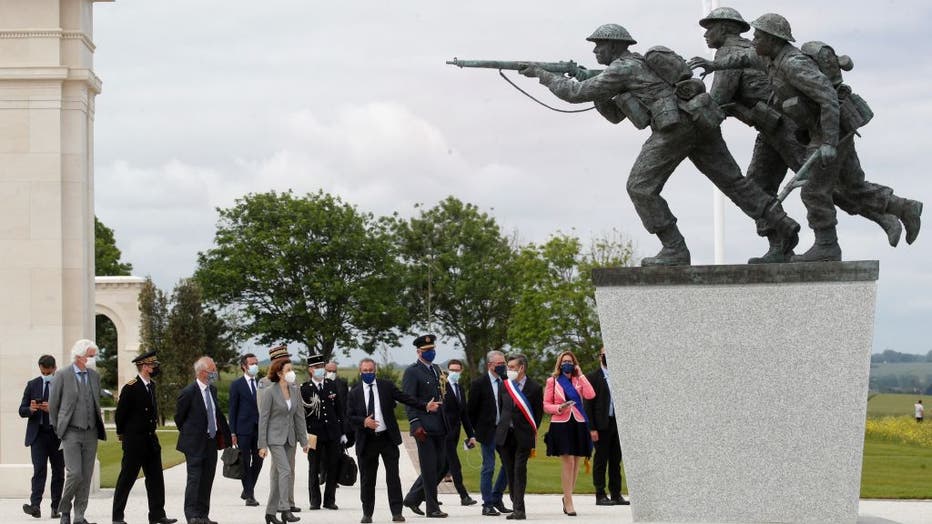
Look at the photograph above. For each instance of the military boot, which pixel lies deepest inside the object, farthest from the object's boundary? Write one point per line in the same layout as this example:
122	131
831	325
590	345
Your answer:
908	211
825	248
674	251
783	233
776	254
889	223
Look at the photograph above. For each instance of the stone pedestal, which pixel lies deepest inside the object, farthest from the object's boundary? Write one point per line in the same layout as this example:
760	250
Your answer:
47	91
741	391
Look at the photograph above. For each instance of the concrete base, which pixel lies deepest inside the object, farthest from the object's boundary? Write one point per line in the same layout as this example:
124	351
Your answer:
741	390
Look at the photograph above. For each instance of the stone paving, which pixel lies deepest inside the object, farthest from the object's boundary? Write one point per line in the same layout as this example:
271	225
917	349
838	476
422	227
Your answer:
227	508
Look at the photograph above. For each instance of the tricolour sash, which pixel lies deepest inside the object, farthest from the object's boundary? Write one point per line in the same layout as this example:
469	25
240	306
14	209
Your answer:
517	396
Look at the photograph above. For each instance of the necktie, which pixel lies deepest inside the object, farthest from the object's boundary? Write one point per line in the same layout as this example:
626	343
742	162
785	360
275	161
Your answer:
370	403
252	386
45	398
498	401
211	415
456	393
83	377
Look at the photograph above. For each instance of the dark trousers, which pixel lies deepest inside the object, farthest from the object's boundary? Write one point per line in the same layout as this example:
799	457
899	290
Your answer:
452	465
491	493
379	445
140	452
514	462
201	469
430	455
44	451
325	458
252	462
607	456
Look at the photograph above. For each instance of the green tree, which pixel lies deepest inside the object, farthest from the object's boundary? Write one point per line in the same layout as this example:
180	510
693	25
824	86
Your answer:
153	312
312	270
107	254
555	307
183	343
220	342
461	276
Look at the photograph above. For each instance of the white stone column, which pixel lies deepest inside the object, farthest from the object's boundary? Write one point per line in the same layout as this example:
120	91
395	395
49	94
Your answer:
47	90
118	299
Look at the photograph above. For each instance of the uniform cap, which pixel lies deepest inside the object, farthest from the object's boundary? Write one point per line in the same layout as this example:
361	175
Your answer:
278	352
425	342
146	358
315	359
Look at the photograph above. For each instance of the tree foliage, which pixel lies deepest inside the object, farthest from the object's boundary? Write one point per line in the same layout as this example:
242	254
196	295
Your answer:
555	307
106	253
309	269
153	311
460	276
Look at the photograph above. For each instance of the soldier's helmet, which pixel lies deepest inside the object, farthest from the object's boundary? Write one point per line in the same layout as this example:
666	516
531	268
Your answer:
774	24
724	13
611	32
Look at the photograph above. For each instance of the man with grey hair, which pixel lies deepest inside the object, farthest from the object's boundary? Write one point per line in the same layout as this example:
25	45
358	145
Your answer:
483	411
202	430
74	410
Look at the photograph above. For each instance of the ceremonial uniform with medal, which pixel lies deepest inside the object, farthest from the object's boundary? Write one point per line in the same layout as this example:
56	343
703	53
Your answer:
323	415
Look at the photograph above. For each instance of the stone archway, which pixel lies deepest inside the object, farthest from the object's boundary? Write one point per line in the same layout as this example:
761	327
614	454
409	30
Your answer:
117	298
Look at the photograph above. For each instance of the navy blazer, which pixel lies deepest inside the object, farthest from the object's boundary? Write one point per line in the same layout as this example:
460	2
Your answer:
244	410
191	420
480	409
389	396
423	384
33	391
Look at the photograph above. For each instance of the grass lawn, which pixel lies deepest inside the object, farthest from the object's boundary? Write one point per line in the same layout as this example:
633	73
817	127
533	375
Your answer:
110	453
892	405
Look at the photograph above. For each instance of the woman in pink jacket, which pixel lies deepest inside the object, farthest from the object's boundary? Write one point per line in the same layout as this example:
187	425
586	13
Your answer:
568	437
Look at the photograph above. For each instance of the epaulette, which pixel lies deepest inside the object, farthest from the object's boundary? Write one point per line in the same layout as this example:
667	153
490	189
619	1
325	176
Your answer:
132	381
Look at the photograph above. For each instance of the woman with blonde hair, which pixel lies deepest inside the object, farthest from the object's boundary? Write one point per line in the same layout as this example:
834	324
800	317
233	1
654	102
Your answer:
281	426
568	437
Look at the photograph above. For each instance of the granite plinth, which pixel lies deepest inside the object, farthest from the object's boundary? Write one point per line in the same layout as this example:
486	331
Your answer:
741	390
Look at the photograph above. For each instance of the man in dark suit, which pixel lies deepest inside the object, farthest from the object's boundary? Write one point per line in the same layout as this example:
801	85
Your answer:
202	430
136	421
371	413
424	381
522	402
244	424
41	439
454	408
74	410
322	411
604	432
482	410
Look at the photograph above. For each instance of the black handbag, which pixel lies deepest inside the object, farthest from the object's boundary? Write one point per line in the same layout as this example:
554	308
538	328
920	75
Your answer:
348	470
232	463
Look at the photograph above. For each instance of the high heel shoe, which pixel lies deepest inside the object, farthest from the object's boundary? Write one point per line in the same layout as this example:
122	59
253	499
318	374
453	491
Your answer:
270	519
570	513
288	516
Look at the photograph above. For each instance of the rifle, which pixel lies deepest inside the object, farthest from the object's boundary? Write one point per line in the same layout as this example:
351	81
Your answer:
569	67
802	175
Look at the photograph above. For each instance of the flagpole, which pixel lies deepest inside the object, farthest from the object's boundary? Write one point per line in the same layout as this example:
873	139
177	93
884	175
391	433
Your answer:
718	199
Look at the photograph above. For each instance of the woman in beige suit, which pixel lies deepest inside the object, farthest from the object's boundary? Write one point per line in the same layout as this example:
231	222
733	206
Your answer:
281	426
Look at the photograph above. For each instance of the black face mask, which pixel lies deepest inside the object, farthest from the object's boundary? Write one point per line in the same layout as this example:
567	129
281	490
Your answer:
155	372
603	361
501	371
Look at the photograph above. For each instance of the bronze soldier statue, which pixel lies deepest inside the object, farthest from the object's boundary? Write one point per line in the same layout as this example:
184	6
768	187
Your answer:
685	123
801	114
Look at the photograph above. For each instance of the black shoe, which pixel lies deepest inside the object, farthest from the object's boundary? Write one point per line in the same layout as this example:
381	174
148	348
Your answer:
56	514
489	511
569	513
366	519
119	522
32	511
415	508
604	501
252	502
206	520
437	515
618	500
65	518
243	495
500	506
163	520
331	506
313	507
398	518
270	519
294	509
518	515
287	516
466	500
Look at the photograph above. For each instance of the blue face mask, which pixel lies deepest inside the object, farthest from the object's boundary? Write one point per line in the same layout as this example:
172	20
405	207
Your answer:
567	368
501	370
453	376
47	378
428	355
212	376
368	378
253	370
320	373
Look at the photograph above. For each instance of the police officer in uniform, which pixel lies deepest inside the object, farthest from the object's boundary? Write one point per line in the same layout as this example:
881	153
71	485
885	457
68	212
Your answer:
136	421
322	413
424	381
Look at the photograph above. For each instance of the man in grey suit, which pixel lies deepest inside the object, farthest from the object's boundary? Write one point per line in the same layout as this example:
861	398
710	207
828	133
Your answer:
75	415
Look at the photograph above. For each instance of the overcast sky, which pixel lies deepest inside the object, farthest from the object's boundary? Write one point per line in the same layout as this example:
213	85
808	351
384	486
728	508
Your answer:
206	101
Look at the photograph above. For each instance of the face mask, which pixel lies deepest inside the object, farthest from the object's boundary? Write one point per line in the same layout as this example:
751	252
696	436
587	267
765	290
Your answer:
332	375
47	378
501	370
320	373
91	363
368	378
567	368
252	370
212	376
155	372
603	361
290	377
453	376
428	355
512	375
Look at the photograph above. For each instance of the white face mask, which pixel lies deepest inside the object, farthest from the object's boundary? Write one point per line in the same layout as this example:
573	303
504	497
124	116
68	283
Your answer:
290	377
453	376
512	375
253	370
331	375
319	373
91	363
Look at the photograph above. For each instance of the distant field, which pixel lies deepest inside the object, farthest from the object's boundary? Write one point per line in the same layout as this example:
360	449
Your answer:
919	369
893	404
